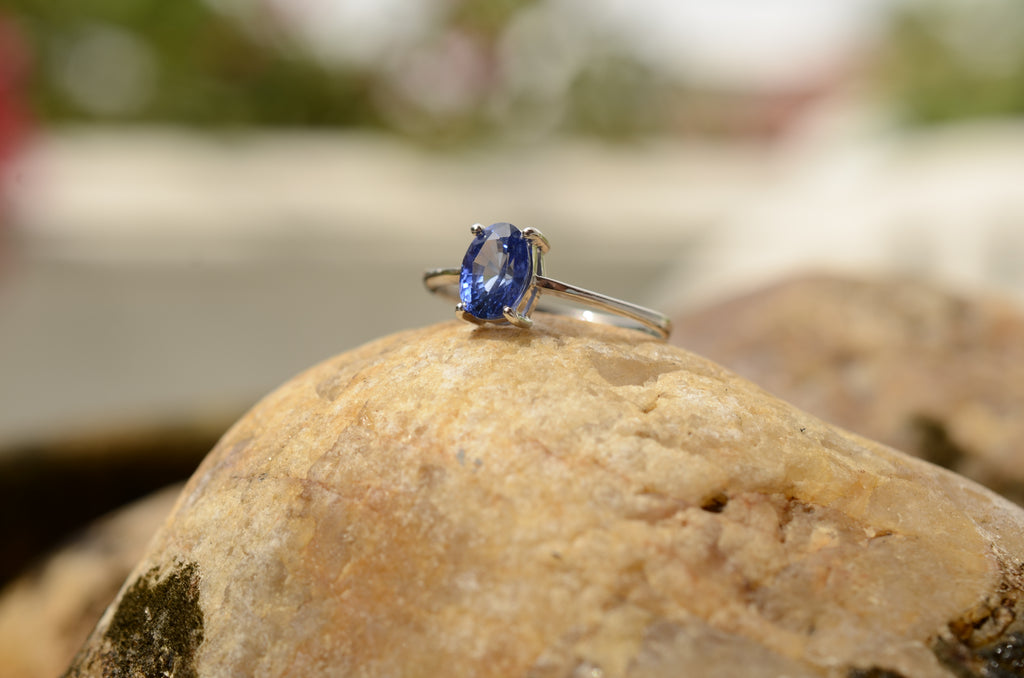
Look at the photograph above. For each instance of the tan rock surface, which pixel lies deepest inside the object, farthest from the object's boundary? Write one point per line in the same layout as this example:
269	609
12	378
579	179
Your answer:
935	374
571	501
46	615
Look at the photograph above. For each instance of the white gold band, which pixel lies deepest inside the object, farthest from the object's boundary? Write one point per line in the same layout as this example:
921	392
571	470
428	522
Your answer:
445	281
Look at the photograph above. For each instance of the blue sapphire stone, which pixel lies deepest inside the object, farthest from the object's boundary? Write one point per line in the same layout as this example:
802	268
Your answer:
496	271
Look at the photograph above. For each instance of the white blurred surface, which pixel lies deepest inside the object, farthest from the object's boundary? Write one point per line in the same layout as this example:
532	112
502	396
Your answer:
159	276
944	205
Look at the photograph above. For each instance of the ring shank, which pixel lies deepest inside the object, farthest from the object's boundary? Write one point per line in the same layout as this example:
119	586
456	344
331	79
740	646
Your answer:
445	281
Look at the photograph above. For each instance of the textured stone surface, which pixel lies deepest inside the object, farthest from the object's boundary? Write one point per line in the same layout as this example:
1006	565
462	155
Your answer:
569	501
46	615
932	373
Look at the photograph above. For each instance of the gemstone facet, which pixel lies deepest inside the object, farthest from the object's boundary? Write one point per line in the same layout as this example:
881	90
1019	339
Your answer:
496	271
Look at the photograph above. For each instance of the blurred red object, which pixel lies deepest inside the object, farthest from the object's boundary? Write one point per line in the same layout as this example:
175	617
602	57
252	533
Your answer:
14	114
14	117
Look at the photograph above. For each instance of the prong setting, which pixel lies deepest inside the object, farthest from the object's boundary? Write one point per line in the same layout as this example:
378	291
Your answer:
462	314
477	230
516	318
537	239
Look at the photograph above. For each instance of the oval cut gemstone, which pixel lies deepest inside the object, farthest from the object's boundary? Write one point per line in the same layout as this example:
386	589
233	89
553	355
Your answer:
496	271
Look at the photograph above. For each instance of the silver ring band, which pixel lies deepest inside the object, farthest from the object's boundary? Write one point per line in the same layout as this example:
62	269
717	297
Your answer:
449	282
445	281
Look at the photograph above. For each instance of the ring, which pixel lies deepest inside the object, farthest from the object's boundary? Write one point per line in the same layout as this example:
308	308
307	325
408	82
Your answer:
502	277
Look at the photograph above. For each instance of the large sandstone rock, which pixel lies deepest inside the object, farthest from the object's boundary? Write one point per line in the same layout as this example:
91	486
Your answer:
568	501
932	373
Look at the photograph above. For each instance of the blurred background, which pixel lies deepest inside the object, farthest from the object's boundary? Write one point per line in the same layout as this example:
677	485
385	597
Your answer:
200	198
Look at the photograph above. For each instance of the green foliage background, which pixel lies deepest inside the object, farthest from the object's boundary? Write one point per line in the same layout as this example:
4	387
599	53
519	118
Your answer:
213	71
209	71
930	81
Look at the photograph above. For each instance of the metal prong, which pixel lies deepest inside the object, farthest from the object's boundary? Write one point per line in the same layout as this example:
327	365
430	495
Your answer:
476	229
537	238
517	319
462	314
